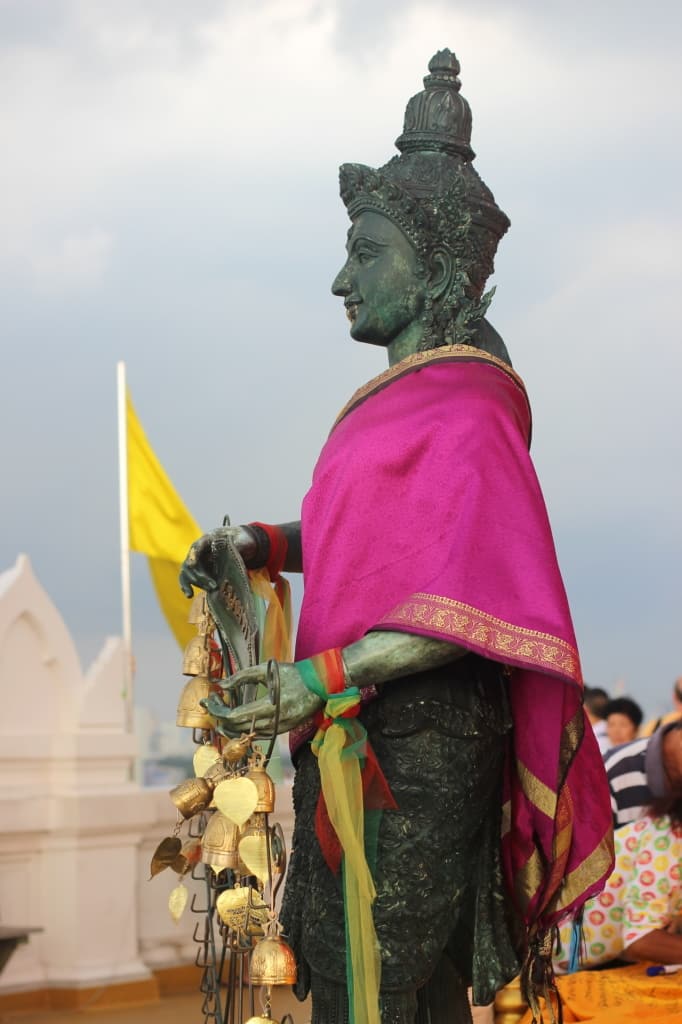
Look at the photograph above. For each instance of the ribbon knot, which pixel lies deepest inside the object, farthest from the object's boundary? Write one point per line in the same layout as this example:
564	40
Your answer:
345	704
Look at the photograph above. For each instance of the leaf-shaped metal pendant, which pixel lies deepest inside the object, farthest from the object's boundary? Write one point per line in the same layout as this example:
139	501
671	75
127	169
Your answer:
187	858
236	798
164	854
204	758
177	901
243	910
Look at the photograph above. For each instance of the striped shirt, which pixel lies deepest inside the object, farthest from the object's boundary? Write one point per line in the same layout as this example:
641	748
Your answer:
635	776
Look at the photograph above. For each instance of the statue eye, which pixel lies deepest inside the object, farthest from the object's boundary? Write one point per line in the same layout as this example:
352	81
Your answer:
365	256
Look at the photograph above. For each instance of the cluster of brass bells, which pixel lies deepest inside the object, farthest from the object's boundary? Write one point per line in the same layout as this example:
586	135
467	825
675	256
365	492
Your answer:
195	795
232	784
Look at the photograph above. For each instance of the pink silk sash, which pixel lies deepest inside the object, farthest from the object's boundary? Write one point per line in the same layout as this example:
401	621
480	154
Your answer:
425	516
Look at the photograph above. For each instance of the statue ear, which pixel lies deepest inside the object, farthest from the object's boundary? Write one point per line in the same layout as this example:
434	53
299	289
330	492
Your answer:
441	274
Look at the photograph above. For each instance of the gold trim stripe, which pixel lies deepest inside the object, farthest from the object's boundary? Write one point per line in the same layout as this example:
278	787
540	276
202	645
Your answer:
594	867
535	790
447	353
502	640
528	880
563	841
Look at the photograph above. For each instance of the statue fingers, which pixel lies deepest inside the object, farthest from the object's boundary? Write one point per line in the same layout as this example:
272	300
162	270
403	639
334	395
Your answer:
191	577
216	706
254	717
255	675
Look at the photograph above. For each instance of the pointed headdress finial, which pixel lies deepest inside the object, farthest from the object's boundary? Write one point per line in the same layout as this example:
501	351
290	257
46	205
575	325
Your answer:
439	118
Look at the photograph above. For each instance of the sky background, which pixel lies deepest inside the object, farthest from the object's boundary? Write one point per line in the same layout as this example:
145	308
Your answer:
169	197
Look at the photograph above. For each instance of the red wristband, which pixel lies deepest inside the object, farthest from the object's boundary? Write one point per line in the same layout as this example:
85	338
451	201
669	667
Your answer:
279	544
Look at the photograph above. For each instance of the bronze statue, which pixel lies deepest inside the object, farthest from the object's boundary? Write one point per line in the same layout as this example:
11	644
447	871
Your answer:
431	586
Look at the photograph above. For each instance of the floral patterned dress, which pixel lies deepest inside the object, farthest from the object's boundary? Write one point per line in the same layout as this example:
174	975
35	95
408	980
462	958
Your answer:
643	894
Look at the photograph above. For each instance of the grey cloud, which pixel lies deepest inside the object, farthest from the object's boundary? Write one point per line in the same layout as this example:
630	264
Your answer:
215	287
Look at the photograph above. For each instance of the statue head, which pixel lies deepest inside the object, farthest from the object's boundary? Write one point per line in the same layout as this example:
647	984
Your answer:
425	228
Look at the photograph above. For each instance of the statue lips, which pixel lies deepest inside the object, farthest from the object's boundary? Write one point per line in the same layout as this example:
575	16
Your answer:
352	309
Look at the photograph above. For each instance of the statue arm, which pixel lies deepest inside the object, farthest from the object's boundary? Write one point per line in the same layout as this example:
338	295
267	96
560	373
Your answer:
382	656
204	565
377	658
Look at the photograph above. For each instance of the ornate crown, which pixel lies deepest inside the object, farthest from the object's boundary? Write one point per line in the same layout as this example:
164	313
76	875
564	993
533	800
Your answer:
431	191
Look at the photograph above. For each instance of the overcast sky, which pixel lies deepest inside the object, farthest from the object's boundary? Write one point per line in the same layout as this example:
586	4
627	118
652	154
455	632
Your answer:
169	197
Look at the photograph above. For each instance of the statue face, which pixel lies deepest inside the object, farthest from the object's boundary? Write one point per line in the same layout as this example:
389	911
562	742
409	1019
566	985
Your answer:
383	293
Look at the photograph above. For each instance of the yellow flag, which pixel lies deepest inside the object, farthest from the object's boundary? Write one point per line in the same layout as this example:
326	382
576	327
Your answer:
161	526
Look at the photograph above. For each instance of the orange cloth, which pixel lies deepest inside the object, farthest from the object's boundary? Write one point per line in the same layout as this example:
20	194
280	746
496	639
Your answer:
623	995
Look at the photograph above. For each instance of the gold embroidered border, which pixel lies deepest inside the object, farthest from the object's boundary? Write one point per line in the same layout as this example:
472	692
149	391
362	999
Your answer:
594	867
447	353
502	640
528	880
536	791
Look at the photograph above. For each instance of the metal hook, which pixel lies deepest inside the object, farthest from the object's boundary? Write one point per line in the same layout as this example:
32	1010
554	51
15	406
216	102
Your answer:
272	681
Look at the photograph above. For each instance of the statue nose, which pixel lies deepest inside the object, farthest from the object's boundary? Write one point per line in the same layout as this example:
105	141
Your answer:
341	283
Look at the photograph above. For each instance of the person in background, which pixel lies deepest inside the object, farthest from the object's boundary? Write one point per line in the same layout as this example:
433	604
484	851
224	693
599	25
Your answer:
639	913
644	771
623	719
596	700
673	716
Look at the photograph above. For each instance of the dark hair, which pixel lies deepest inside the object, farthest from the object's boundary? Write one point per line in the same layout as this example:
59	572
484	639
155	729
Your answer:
625	706
596	700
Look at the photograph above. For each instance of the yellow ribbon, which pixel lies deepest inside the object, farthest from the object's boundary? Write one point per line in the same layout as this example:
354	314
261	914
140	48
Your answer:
276	640
337	748
342	790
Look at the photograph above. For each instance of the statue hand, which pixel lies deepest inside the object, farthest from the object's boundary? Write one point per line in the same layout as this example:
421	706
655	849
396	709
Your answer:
296	703
202	566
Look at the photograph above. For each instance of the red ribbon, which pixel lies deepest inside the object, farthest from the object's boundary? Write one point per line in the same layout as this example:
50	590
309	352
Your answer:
279	545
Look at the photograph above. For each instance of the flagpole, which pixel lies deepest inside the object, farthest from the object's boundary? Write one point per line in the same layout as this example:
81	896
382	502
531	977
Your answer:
125	545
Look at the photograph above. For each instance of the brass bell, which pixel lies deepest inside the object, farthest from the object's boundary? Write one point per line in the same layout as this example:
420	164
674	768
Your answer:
264	785
219	842
262	1020
272	962
197	609
190	713
192	796
235	750
195	658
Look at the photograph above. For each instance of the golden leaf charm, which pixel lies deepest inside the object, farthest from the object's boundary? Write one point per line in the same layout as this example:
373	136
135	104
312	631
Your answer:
192	851
177	901
253	851
236	799
181	864
204	758
243	910
164	854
